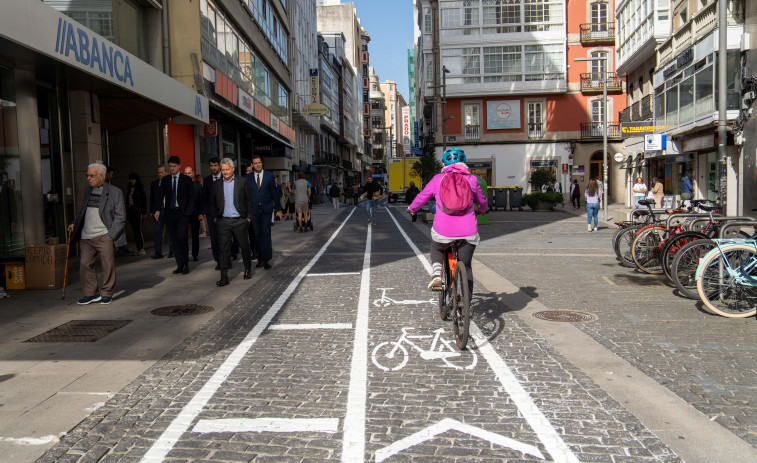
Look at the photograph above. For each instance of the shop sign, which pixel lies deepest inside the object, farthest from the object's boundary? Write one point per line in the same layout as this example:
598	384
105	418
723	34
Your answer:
655	142
479	165
544	163
315	109
314	97
630	129
504	114
275	123
245	102
210	129
618	157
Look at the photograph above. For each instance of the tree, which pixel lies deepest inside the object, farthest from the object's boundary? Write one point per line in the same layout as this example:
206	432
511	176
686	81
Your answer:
540	177
427	167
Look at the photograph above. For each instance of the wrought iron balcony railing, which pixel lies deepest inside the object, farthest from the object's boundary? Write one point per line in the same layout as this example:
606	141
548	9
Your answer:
598	33
472	132
592	82
535	130
592	130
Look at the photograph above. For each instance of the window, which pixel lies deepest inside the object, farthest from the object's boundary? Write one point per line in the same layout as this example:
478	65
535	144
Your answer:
504	14
682	16
535	123
543	62
377	121
598	15
598	65
471	115
597	114
427	27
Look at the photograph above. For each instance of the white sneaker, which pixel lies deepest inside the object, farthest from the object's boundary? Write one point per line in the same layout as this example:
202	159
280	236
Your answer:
588	227
595	229
436	282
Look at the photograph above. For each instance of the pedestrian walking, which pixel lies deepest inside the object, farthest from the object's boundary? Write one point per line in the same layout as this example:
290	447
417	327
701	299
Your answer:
178	192
687	186
158	204
335	195
639	190
657	191
593	194
557	188
232	201
373	191
99	228
208	208
265	200
290	198
136	210
355	193
302	190
194	218
575	195
347	195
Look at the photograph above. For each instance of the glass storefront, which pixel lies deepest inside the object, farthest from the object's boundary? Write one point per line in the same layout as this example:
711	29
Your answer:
11	212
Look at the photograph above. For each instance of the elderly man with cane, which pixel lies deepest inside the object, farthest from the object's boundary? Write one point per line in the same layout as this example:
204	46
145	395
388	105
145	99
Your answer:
98	227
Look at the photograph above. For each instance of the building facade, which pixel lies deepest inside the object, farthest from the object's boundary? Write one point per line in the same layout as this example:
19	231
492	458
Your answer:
500	80
394	104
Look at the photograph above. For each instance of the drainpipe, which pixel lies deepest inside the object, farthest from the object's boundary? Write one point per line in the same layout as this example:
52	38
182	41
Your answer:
164	19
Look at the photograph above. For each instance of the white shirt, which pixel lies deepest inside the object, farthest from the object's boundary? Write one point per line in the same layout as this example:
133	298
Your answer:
639	188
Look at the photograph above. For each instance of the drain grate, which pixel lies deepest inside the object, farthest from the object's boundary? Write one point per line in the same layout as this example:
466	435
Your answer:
181	310
80	331
569	316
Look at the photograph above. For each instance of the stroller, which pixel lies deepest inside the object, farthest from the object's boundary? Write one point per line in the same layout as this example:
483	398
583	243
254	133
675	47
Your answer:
309	223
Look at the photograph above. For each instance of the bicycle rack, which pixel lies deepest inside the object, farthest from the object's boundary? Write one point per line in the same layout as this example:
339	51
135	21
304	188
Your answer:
645	211
719	217
744	223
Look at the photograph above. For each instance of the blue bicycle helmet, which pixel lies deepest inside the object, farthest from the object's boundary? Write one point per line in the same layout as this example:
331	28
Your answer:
453	155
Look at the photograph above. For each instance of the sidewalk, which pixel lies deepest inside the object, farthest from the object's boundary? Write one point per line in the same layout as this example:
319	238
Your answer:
47	388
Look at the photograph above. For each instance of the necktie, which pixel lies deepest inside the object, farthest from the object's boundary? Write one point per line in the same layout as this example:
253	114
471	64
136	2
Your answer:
258	179
174	202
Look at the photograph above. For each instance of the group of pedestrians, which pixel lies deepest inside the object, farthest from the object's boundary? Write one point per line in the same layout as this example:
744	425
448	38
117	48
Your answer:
237	211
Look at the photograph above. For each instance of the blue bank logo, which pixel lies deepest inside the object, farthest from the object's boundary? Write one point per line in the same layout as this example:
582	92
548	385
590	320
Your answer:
87	51
198	107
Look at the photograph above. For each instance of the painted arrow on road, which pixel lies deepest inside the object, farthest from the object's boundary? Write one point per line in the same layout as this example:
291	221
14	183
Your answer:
448	424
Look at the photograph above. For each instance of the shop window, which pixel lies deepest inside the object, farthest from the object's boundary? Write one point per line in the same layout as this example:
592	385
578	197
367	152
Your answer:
11	210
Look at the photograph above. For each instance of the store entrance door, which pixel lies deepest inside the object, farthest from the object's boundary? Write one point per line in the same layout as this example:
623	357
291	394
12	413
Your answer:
596	165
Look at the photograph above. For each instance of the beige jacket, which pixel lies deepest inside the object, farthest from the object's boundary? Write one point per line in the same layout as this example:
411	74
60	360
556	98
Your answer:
658	193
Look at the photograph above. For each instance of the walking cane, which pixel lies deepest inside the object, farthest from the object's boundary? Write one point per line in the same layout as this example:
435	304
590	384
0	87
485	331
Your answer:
65	272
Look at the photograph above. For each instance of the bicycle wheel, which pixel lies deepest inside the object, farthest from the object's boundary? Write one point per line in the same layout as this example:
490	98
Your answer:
445	291
646	247
622	246
685	264
672	245
730	294
460	306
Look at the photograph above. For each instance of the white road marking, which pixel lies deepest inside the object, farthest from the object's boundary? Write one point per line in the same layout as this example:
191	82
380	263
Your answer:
329	425
337	274
446	425
425	262
353	442
181	423
557	449
311	326
44	440
546	254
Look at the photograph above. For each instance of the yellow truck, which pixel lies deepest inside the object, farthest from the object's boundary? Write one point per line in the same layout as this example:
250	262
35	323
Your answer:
400	175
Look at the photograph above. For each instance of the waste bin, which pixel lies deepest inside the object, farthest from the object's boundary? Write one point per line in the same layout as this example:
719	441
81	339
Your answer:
498	197
516	197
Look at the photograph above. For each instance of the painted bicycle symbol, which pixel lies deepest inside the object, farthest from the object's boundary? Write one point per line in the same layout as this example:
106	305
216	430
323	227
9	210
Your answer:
386	301
393	355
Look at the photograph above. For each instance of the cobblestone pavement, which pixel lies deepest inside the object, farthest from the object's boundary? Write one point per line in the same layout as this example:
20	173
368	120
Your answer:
311	364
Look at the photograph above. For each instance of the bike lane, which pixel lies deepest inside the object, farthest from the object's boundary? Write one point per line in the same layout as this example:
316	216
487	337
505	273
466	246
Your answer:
512	397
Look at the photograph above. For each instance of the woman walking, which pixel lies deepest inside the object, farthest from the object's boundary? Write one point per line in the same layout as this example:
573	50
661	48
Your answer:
136	210
593	194
575	195
290	200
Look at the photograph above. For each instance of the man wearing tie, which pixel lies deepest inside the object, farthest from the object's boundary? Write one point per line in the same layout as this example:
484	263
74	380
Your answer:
209	208
157	204
178	191
265	199
231	200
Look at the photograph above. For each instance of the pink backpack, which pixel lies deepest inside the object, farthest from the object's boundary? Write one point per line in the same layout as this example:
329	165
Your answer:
454	194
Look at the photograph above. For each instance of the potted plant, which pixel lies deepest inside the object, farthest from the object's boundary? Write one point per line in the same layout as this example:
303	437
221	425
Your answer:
539	201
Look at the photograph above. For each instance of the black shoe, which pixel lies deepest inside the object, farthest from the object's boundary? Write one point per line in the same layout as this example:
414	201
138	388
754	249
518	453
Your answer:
218	267
223	281
178	270
233	257
254	257
195	259
266	265
185	269
157	256
170	255
247	274
259	264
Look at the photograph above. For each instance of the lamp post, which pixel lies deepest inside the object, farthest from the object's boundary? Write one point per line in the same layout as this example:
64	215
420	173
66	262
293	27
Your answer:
445	71
605	157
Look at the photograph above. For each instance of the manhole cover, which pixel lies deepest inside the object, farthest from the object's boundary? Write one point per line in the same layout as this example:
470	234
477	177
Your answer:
80	331
565	316
181	310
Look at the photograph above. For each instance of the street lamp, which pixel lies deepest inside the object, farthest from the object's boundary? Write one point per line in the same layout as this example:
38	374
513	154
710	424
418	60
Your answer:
606	158
445	71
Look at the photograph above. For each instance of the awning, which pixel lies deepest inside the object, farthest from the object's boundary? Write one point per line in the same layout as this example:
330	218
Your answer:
34	36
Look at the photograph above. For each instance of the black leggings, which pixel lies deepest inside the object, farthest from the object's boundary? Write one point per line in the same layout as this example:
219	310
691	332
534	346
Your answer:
464	254
135	220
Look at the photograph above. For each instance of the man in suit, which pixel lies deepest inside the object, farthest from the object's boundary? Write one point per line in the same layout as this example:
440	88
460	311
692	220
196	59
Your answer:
194	219
208	208
178	192
265	199
231	197
99	230
157	204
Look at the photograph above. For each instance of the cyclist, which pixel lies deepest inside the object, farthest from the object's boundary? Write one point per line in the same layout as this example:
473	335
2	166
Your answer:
448	228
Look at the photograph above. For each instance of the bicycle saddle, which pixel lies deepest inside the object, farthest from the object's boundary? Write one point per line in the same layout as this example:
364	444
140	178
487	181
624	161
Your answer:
647	202
707	208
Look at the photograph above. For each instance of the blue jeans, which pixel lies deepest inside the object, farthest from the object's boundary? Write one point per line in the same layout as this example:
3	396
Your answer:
370	207
592	211
638	198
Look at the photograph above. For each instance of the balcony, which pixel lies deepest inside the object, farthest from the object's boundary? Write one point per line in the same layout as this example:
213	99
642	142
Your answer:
347	164
647	108
326	159
535	130
596	33
592	82
625	115
472	132
701	23
594	130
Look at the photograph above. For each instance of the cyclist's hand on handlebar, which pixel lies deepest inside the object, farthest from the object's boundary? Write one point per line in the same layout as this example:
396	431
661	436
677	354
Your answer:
411	212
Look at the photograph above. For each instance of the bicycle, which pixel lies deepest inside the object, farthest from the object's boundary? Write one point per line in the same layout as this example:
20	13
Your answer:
727	278
439	349
454	295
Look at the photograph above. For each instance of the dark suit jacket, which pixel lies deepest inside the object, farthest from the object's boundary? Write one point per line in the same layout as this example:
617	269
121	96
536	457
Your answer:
242	197
185	194
156	196
208	208
112	213
265	198
197	198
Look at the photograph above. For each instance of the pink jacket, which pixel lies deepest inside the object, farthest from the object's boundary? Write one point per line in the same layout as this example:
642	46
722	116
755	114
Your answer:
448	225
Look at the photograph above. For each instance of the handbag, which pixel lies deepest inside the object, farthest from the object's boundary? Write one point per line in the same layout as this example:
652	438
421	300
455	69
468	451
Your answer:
650	195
